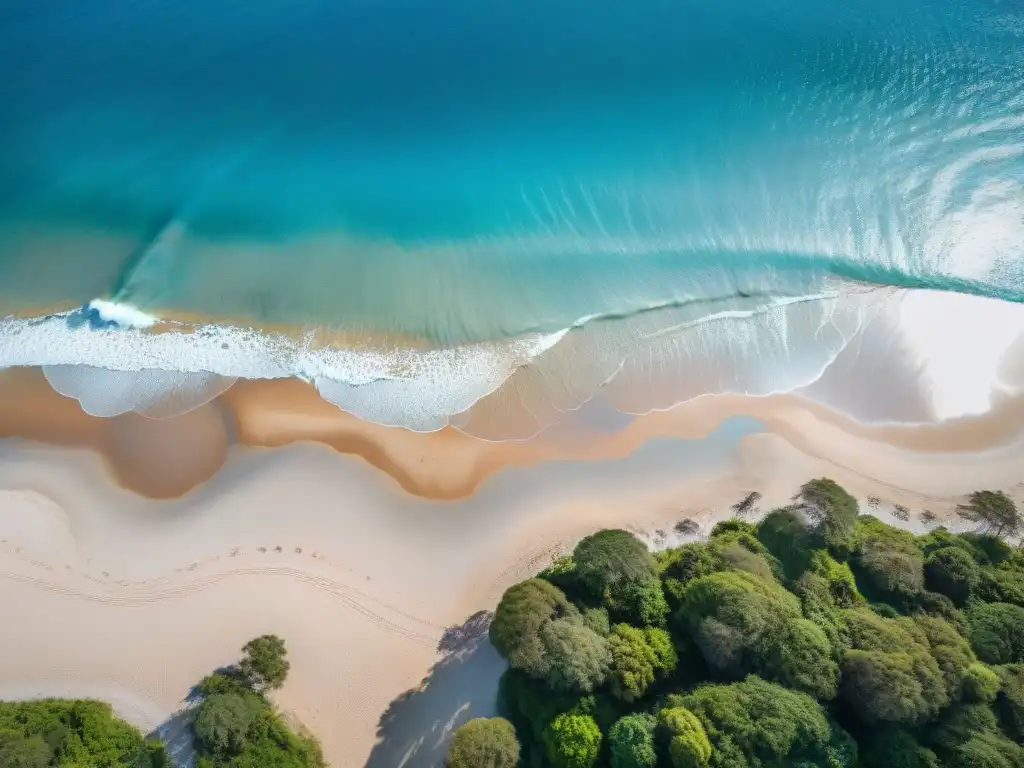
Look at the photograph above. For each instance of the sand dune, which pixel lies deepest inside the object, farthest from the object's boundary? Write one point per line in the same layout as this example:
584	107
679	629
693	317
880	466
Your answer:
134	599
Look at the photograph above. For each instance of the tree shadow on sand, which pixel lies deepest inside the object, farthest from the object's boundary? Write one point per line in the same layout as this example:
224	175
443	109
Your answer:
415	730
176	733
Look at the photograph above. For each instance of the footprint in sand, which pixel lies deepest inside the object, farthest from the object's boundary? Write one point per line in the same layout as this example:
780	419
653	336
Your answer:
279	549
298	550
262	550
235	552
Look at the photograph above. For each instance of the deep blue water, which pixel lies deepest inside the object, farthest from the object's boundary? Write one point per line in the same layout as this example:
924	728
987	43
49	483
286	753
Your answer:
467	171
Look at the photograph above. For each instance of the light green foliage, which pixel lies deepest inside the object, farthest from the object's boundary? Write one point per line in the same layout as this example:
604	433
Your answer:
732	615
631	742
801	659
484	743
889	557
573	741
755	723
688	743
265	662
820	607
612	558
639	657
833	511
994	509
980	684
681	565
72	733
1001	585
738	558
951	571
596	619
577	657
986	750
524	610
895	747
950	650
997	632
841	584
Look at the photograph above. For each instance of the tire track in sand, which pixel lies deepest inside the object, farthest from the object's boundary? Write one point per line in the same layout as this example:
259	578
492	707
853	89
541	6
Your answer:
135	597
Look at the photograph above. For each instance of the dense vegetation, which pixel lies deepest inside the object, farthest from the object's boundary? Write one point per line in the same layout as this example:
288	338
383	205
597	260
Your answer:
72	734
236	726
817	638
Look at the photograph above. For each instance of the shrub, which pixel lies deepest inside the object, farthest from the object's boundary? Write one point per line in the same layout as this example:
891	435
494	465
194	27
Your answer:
631	742
610	558
524	610
688	744
834	512
980	684
573	741
895	747
898	687
951	571
484	743
577	657
222	722
639	657
997	632
265	662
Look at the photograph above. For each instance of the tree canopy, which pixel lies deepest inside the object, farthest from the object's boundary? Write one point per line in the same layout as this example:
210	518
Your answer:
817	638
484	743
265	662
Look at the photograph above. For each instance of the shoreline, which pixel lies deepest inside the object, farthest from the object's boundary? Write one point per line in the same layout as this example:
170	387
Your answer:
168	458
361	577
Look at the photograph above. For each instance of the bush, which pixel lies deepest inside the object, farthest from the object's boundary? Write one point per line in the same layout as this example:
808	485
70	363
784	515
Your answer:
573	741
833	510
980	684
787	535
1010	700
612	558
899	687
631	742
221	723
484	743
688	744
265	662
577	657
997	632
639	657
895	747
524	610
951	571
889	558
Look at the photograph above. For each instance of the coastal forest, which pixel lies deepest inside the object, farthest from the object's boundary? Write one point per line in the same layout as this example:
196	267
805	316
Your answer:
233	722
816	638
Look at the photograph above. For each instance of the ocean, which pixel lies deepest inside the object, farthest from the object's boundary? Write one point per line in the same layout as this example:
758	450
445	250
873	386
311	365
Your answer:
488	214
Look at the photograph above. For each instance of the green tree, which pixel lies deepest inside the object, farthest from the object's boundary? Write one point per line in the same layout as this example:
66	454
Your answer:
997	632
681	565
1010	700
484	743
832	510
898	687
573	741
265	662
759	724
951	571
577	657
688	743
639	657
612	558
222	722
995	510
19	751
524	610
787	535
638	602
801	658
631	742
950	650
980	684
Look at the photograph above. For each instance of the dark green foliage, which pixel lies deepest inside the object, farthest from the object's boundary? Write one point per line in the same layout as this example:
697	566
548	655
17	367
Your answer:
573	741
995	510
222	723
793	644
755	723
951	571
612	558
484	743
997	632
895	747
639	657
833	511
265	662
1010	700
72	733
631	742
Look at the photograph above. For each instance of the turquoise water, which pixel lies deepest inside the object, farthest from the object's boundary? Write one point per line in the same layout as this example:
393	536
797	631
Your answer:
470	173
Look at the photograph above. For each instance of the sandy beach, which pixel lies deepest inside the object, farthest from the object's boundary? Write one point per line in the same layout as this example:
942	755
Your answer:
138	555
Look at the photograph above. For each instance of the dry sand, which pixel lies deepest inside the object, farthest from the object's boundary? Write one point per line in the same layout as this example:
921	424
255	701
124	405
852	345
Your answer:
130	598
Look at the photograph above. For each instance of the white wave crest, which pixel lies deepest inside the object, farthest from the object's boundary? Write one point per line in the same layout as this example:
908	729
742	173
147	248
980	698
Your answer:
121	315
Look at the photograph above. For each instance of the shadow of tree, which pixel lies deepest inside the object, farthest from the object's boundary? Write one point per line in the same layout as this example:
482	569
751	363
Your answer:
415	730
176	733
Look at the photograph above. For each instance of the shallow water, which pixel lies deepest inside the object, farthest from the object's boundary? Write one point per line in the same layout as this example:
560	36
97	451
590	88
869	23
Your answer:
700	191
